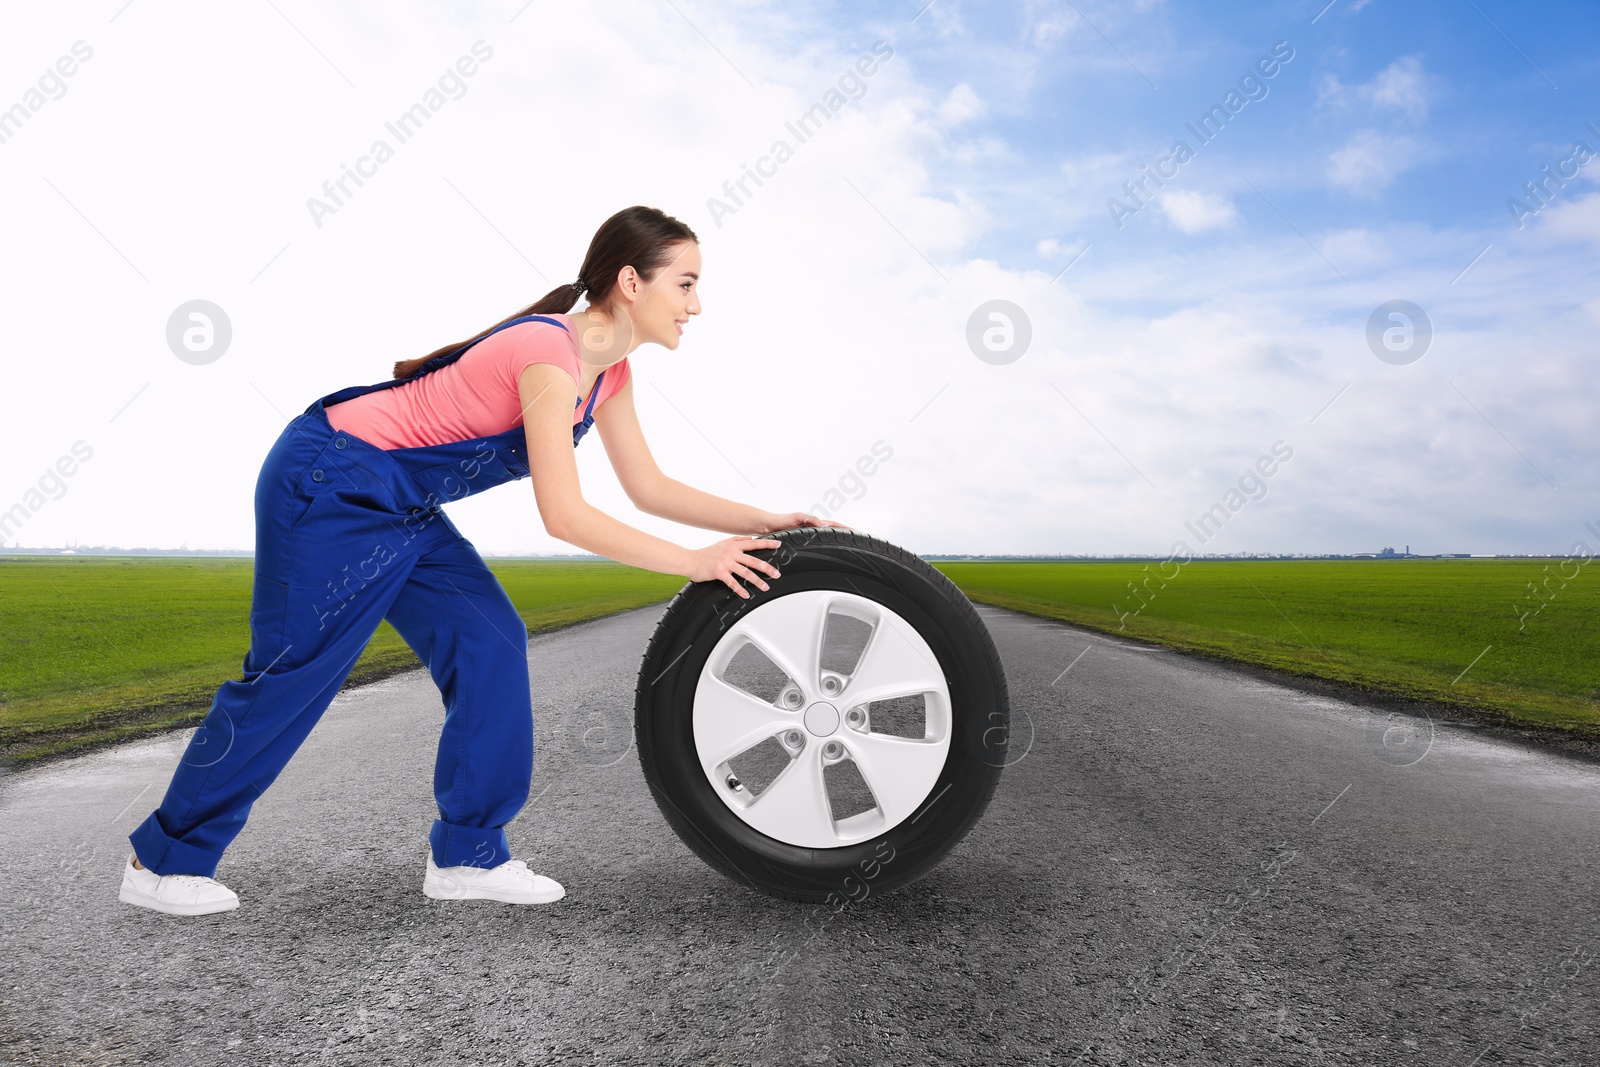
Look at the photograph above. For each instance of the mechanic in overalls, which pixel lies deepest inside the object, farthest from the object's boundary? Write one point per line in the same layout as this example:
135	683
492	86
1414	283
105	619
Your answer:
350	531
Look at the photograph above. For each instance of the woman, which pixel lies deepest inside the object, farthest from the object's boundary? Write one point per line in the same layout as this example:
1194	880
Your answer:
349	531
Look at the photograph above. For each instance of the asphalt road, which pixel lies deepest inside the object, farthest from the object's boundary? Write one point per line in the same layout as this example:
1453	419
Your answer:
1185	864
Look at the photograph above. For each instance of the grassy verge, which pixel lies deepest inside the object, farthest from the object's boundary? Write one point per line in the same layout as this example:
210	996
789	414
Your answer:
101	649
1471	634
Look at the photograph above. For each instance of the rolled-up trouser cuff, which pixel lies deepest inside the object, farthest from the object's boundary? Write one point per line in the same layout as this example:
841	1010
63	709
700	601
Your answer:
468	846
165	855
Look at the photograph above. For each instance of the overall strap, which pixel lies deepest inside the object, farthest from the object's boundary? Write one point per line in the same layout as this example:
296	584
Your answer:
429	367
450	357
593	395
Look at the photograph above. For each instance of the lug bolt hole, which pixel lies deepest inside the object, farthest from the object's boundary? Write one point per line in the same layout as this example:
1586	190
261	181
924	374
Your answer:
833	750
793	739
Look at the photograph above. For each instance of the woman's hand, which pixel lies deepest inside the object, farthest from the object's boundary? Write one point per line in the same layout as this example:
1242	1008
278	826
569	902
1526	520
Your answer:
799	518
729	557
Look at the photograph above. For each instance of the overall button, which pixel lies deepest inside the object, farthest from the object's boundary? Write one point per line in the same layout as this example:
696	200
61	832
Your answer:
316	476
338	442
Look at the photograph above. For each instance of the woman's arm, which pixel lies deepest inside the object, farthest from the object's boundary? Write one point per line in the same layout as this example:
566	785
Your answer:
674	500
653	492
548	394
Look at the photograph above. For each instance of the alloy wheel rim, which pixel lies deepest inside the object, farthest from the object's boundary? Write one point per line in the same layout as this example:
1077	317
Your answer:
822	719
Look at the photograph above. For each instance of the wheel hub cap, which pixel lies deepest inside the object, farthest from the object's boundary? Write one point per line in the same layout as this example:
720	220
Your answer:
822	719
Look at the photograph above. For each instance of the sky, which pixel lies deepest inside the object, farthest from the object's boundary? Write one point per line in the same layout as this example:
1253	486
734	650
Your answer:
1037	277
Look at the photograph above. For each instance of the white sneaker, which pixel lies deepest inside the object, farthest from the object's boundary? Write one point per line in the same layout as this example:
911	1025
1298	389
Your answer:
510	883
175	894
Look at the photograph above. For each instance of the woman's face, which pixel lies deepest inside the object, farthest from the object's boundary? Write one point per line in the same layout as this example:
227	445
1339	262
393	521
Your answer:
665	304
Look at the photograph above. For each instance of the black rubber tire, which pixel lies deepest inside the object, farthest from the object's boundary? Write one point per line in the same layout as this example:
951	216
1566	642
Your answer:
829	559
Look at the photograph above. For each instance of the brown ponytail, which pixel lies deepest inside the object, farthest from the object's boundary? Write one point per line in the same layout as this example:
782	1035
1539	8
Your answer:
640	237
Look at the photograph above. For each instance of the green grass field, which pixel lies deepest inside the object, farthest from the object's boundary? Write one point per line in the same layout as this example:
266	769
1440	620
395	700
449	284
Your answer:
1409	628
99	649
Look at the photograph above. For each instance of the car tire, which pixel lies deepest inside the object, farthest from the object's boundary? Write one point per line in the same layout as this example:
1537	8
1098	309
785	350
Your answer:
695	709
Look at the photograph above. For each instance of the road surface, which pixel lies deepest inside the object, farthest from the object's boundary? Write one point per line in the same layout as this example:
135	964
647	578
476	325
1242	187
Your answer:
1184	864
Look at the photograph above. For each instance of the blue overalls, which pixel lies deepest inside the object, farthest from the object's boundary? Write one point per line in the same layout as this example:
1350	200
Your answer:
349	534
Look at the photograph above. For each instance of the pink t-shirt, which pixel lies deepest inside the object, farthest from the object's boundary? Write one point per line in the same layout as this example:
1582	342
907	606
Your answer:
476	396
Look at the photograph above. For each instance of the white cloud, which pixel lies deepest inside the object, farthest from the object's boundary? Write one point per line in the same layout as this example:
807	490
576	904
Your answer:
1330	90
1052	25
1572	220
1078	185
945	19
1403	87
1047	21
960	105
1050	248
1352	246
1197	212
990	150
1370	161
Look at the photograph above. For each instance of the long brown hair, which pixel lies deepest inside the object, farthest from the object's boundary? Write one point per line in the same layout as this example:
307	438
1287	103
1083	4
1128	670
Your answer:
639	237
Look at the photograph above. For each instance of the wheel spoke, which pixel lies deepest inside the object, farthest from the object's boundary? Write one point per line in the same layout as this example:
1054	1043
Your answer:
794	808
728	720
895	663
788	631
900	771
